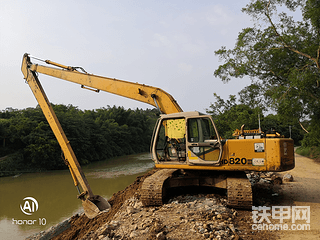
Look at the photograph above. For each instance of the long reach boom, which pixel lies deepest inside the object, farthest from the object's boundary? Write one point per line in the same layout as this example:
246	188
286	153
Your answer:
140	92
92	204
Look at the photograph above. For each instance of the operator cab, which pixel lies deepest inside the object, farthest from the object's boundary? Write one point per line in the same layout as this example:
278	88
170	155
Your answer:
186	138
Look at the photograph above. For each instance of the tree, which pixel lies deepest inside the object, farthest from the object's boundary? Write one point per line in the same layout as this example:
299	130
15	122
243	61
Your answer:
281	56
93	134
232	114
229	115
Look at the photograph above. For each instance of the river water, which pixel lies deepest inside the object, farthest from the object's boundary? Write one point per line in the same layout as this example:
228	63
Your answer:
56	194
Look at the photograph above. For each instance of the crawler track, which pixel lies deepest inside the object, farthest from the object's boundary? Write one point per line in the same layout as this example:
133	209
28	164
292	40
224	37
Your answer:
154	188
239	192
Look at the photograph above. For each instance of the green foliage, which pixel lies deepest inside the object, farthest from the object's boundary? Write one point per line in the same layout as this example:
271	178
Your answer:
311	152
312	138
94	134
230	115
11	164
282	57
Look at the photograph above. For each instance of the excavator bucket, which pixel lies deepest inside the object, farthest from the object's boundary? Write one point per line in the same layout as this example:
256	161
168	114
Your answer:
94	206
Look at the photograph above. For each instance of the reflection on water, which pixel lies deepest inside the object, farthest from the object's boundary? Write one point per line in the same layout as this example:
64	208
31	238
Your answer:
56	194
131	165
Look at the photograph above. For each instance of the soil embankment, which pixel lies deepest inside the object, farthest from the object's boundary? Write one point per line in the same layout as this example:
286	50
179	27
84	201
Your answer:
203	215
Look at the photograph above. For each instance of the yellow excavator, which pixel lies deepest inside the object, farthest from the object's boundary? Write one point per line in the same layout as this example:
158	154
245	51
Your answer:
185	146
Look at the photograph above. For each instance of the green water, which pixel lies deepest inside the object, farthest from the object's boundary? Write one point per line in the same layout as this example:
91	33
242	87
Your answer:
56	195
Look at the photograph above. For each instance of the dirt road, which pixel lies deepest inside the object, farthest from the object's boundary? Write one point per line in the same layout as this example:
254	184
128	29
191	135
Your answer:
303	191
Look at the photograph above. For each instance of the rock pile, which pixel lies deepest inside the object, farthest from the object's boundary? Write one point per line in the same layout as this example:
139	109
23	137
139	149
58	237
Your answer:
184	217
264	177
197	216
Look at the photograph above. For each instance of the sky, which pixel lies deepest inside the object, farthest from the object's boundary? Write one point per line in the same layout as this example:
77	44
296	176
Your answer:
167	44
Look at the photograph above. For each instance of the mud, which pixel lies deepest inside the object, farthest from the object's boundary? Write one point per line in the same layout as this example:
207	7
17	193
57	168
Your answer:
81	225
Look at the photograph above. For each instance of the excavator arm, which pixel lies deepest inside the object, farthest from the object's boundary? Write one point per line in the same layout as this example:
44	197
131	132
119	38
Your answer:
140	92
92	204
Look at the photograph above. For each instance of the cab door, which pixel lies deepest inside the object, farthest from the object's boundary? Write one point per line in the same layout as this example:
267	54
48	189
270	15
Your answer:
203	145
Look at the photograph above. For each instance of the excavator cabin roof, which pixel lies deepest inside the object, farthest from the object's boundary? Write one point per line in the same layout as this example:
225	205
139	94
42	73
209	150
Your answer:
182	114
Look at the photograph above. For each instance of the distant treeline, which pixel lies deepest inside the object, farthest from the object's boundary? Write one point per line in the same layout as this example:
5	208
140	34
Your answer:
27	141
